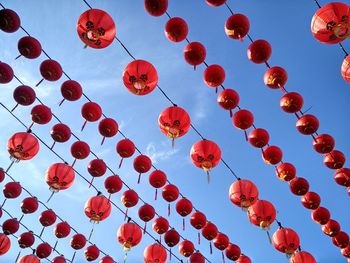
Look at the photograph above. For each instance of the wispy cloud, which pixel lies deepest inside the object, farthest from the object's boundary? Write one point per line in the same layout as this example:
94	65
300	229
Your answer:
159	155
200	107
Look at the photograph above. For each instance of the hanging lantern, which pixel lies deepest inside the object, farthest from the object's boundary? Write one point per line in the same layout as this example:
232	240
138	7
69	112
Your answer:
286	240
243	259
243	119
275	77
205	154
198	220
209	232
186	248
160	225
259	51
307	124
302	257
171	238
26	239
29	205
142	164
330	24
43	250
345	69
60	133
233	252
334	159
299	186
197	257
243	193
12	190
59	259
214	76
5	244
311	200
157	179
176	29
10	226
156	7
106	259
272	155
6	73
346	252
286	171
113	184
41	114
108	127
146	213
50	70
71	91
91	253
9	21
47	218
29	259
97	208
331	228
262	214
291	102
96	168
323	143
23	95
259	137
125	148
129	235
184	207
342	176
237	26
29	47
215	3
174	122
129	199
195	53
155	253
170	193
341	240
140	77
221	241
78	241
22	146
59	176
62	230
96	28
91	112
2	175
80	150
228	99
321	215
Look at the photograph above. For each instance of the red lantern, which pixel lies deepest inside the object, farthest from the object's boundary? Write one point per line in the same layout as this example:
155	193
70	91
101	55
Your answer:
125	148
24	95
286	240
96	168
5	244
41	114
157	179
286	171
170	193
243	193
29	205
174	122
299	186
228	99
262	214
345	69
97	208
80	150
91	111
259	51
155	253
321	215
129	235
129	198
140	77
195	53
243	119
330	23
2	175
237	26
29	259
311	200
215	3
307	124
186	248
346	252
47	218
6	73
10	226
22	146
334	159
272	155
107	259
160	225
78	241
176	29
26	239
243	259
184	207
171	238
205	154
9	21
62	230
71	91
291	102
59	176
233	252
43	250
323	143
259	137
156	7
60	133
146	213
50	70
197	257
221	241
108	127
342	176
275	77
341	240
59	259
96	28
209	231
91	253
29	47
113	184
12	190
142	164
302	257
198	220
332	228
214	76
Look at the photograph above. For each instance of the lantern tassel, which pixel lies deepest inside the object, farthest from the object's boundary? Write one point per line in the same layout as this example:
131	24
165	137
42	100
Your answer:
54	247
208	177
19	253
240	38
103	140
126	255
8	168
126	214
121	162
51	195
173	142
246	135
268	236
30	126
92	230
42	231
61	102
92	180
199	238
183	224
160	239
139	179
14	107
53	145
144	228
39	82
231	113
211	248
156	194
21	218
222	256
73	162
15	59
73	256
82	127
170	254
109	196
168	209
216	89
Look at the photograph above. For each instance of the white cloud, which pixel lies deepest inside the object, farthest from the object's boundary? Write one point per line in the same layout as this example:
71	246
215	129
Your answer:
162	155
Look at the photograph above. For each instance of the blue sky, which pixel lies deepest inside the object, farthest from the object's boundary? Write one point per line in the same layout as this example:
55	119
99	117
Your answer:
314	71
